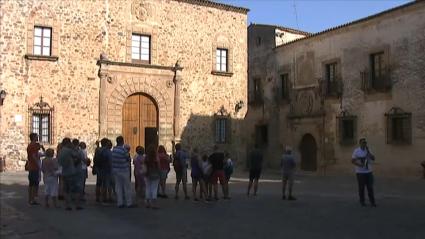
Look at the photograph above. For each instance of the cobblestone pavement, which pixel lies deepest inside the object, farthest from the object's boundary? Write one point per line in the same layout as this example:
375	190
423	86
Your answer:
327	207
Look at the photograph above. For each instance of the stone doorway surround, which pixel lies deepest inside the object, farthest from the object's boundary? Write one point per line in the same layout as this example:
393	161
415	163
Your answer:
119	80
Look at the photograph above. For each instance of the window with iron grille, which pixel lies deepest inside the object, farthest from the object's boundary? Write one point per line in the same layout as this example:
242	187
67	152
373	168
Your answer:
221	59
221	126
347	128
333	85
42	41
140	48
41	121
399	127
379	72
284	86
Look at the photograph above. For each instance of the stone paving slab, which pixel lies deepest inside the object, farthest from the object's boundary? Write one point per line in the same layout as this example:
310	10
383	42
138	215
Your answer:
327	208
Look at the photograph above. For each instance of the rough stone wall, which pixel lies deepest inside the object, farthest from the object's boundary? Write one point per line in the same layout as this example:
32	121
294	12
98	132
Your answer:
82	30
401	34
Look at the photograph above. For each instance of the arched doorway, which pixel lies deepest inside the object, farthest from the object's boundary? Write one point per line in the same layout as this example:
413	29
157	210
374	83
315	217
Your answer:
140	121
308	149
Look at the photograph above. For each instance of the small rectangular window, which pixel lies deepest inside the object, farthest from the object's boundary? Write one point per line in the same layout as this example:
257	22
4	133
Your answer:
379	76
399	127
284	89
221	127
347	125
140	48
42	41
332	82
221	59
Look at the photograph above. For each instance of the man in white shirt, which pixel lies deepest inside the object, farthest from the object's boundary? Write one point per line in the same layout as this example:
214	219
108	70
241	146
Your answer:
362	159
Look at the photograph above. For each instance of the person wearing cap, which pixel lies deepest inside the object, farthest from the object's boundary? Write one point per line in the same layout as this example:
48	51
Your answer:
288	166
362	158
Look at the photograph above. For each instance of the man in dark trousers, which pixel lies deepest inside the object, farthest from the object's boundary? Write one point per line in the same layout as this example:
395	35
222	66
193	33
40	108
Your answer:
255	166
362	158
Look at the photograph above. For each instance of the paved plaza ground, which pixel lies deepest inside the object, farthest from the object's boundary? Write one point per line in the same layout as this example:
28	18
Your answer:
327	207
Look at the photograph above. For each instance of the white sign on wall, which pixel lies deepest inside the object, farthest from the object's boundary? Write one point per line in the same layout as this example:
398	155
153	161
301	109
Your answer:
18	118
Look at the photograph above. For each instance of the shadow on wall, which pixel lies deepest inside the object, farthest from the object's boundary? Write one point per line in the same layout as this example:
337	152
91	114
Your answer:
203	132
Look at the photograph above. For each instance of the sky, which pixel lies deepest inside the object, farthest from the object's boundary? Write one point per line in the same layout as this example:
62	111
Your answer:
311	15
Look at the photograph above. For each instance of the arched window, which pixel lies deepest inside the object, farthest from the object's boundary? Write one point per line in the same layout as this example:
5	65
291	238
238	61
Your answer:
41	121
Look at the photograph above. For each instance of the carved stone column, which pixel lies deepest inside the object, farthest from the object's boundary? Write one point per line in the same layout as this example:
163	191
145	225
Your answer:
104	79
176	117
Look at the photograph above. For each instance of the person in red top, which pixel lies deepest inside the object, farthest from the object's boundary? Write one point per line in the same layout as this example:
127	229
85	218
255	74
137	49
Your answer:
33	167
164	163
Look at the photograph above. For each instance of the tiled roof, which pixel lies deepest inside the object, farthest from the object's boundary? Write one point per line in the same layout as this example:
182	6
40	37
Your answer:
222	6
355	22
291	30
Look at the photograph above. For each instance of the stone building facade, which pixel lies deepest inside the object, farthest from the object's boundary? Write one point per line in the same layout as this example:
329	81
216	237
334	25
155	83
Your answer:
155	71
321	92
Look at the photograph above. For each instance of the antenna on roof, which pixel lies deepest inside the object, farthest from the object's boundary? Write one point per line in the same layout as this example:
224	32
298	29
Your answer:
296	14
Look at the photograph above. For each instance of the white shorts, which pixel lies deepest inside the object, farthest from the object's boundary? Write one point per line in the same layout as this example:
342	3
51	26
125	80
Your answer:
51	186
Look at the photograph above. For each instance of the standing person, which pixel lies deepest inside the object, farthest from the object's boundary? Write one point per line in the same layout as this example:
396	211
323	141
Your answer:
139	174
84	164
164	162
50	169
102	166
79	167
228	170
152	176
60	191
362	158
70	161
206	176
33	168
120	169
196	174
180	167
255	167
217	163
288	166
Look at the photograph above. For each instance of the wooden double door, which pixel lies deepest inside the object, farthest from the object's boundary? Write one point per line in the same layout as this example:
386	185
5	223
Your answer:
308	149
140	121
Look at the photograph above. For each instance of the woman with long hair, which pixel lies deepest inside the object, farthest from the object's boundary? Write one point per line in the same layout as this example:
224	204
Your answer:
164	162
152	176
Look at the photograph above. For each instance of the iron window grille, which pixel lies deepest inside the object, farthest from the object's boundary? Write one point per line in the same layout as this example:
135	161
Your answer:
399	126
41	121
347	128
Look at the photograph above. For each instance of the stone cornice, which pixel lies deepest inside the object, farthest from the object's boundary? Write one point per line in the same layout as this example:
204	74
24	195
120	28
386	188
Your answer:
140	65
222	6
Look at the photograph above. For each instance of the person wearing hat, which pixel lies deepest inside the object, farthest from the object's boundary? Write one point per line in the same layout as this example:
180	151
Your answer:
288	166
362	158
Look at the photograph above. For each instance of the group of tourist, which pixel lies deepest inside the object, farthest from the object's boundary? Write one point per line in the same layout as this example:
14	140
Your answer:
65	175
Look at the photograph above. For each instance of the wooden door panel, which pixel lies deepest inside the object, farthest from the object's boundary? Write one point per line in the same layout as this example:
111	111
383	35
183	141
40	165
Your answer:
140	115
131	121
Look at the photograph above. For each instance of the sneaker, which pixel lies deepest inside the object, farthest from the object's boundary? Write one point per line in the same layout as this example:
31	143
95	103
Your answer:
132	206
121	206
79	208
290	198
68	208
33	203
283	197
165	196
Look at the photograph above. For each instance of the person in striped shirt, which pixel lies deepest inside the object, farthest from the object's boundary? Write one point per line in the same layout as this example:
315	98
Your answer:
120	168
